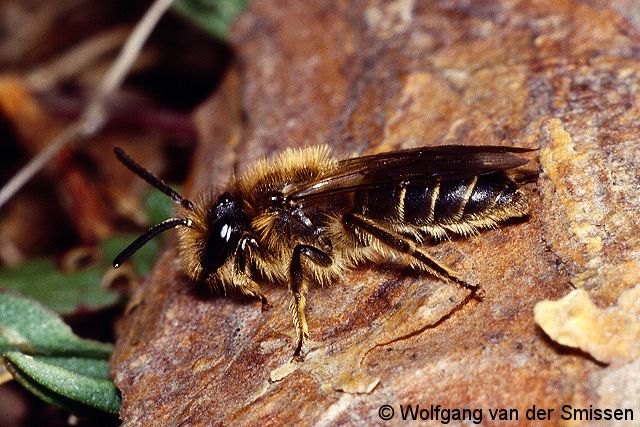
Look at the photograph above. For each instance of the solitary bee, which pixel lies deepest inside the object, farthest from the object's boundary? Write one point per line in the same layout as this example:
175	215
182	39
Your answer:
304	216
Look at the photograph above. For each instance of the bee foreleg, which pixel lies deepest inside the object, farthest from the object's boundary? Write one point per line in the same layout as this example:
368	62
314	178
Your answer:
249	288
298	288
406	246
253	290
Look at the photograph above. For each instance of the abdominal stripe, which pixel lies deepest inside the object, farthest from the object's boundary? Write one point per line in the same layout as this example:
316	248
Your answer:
438	202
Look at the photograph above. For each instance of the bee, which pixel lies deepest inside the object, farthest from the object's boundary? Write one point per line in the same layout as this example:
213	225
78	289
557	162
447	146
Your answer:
306	217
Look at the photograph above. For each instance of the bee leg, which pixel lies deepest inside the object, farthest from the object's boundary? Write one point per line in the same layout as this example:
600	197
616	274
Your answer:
298	288
406	246
253	290
265	304
250	288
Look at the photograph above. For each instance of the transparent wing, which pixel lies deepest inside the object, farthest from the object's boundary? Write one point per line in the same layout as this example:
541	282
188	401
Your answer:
415	165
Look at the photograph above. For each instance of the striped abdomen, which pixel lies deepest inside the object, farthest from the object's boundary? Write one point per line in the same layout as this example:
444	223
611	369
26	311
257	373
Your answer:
442	202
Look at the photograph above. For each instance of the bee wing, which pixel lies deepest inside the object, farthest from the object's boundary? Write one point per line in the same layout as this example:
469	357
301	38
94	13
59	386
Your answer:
414	165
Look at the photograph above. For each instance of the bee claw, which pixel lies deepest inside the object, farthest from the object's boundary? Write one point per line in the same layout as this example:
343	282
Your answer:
265	305
297	354
479	293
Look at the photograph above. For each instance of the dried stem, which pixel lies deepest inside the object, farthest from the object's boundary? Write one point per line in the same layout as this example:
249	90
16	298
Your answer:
76	59
96	114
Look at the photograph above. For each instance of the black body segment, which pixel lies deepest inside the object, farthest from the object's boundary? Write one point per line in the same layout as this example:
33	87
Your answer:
437	201
419	202
379	203
452	197
492	191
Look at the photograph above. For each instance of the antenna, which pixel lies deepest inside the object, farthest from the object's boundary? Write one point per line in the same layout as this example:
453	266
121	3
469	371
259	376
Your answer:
151	178
148	235
158	228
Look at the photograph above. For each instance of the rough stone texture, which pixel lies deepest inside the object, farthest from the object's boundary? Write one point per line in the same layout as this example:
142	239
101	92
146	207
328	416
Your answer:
369	76
610	335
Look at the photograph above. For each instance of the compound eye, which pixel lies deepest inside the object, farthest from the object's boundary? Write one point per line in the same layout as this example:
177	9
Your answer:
225	232
221	242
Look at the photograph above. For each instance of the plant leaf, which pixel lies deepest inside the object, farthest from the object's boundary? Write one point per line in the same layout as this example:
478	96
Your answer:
214	16
157	206
42	280
67	292
30	327
63	387
94	368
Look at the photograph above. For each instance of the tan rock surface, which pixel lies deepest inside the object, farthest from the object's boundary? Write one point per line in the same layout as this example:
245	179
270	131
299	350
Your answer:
610	335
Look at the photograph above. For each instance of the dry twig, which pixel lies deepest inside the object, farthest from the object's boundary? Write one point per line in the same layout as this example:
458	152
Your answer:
96	113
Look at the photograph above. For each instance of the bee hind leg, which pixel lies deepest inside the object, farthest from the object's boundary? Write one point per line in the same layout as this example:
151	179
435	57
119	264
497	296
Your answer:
298	288
406	246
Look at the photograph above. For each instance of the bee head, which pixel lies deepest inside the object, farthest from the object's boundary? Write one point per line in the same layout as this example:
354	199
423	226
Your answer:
209	233
209	246
226	224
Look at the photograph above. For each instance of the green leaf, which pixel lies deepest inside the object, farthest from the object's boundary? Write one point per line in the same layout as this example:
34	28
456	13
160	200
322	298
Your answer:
94	368
158	206
55	384
30	327
214	16
65	293
64	369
